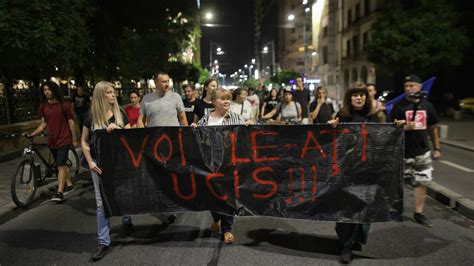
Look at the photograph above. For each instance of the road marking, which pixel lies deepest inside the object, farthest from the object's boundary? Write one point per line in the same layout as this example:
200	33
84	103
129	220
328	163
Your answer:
457	166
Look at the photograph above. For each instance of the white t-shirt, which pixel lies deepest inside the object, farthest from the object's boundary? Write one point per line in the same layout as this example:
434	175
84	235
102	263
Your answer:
213	121
245	111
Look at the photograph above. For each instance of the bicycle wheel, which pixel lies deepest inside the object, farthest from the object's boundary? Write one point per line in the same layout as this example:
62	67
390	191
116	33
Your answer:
73	162
23	186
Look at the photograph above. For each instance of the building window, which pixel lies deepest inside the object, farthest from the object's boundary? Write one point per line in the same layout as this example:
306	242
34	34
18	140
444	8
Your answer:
365	39
349	18
355	43
325	55
354	74
346	78
366	8
348	48
325	31
357	12
363	74
330	80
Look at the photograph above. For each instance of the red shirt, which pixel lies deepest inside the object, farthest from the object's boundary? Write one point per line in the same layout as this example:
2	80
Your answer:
132	114
55	116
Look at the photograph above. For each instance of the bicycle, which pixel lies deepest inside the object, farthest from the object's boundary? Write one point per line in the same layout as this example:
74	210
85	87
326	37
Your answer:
28	176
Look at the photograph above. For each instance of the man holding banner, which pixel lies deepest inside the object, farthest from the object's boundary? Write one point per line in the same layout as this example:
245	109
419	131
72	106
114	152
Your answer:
162	108
420	119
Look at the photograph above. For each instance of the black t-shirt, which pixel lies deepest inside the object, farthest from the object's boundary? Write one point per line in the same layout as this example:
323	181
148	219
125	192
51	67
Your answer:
270	105
416	141
189	108
88	124
357	117
81	103
324	114
303	98
202	108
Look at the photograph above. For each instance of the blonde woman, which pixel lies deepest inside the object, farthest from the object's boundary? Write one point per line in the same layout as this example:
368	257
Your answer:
105	114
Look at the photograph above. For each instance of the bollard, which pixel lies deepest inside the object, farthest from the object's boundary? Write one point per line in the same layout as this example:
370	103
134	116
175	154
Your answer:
443	131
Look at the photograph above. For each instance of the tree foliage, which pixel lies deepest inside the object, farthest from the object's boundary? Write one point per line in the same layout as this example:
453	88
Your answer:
284	76
42	37
417	36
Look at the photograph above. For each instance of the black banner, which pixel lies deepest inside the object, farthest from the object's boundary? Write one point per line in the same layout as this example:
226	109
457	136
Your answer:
352	173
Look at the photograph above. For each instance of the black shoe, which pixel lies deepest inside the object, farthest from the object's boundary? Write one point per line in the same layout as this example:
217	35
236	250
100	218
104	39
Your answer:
421	219
171	218
127	229
357	246
346	256
58	197
68	189
100	253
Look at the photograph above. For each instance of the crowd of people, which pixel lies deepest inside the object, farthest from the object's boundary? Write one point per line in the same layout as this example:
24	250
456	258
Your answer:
244	106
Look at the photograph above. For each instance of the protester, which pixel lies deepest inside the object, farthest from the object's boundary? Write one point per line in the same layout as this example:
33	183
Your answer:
320	110
58	119
241	106
162	108
419	118
189	102
204	106
254	101
270	103
222	115
302	96
377	105
133	110
288	111
105	114
357	107
81	104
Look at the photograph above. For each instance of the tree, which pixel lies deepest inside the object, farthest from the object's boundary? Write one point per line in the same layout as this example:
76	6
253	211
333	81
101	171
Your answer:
43	38
417	36
284	76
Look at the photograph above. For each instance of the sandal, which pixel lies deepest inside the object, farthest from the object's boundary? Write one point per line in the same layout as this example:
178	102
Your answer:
228	238
215	227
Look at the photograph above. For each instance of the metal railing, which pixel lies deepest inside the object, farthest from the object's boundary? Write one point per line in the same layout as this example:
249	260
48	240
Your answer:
18	105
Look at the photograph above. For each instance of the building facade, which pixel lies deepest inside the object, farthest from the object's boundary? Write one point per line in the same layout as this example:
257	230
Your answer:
343	32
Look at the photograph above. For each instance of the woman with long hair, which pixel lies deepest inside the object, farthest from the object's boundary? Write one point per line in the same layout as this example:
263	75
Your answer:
320	110
270	103
221	115
204	106
357	107
241	106
105	114
133	109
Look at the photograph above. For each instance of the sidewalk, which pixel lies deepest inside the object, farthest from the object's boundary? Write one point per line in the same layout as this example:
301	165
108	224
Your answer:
8	168
459	134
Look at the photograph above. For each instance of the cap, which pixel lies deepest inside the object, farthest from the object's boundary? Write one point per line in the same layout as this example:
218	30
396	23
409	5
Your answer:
412	78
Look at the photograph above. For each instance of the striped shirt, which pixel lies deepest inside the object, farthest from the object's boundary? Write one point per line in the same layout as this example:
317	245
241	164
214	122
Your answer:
230	118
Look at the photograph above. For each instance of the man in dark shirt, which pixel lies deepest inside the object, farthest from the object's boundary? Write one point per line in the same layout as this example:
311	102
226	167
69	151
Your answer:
189	102
58	119
81	104
302	96
420	118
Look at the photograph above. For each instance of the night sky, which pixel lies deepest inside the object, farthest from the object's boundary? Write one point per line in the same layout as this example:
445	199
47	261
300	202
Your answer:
234	33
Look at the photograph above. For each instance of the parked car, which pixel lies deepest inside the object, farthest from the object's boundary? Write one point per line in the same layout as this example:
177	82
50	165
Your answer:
467	105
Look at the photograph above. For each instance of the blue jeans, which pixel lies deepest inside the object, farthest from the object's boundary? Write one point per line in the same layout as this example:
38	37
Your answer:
226	221
103	225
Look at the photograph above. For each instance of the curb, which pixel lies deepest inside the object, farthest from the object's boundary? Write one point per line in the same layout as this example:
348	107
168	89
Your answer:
456	144
451	199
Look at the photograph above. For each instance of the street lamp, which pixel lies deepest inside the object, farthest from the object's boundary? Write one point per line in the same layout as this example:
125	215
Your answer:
219	51
208	16
291	17
265	51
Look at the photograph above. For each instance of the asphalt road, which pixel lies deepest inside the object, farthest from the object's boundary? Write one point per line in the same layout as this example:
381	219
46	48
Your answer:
65	234
455	170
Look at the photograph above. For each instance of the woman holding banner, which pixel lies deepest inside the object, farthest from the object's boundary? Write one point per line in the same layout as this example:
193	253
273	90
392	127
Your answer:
105	114
222	115
289	111
357	107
